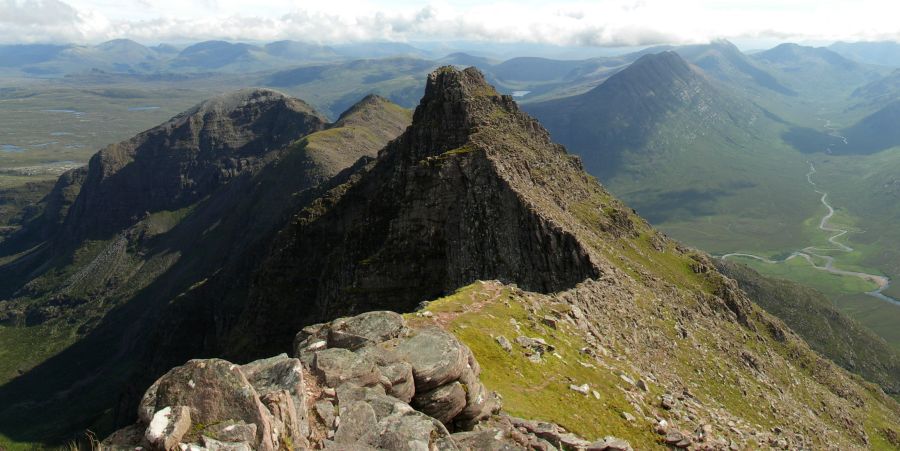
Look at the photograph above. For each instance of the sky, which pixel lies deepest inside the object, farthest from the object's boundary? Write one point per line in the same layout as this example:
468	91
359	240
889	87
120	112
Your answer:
599	23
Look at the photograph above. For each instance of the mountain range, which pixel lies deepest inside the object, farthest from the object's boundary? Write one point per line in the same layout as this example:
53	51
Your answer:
274	219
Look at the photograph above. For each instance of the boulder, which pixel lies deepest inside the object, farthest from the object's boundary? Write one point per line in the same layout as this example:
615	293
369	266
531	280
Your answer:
410	430
437	358
504	343
215	445
233	432
357	420
365	329
478	404
325	411
443	403
400	377
279	383
167	427
215	391
610	443
337	366
359	375
125	439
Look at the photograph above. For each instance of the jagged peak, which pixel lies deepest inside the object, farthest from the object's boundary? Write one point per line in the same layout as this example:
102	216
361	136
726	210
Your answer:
456	103
448	80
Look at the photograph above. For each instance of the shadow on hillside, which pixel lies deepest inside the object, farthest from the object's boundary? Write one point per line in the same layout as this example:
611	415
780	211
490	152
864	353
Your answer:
663	206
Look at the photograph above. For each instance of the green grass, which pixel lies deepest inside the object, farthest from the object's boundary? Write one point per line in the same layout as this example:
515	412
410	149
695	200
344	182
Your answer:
23	347
799	270
540	390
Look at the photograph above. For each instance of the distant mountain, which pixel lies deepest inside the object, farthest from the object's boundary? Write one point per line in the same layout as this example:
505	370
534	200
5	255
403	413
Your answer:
126	56
724	61
884	53
126	50
380	50
880	91
301	51
817	72
120	55
334	87
539	69
627	116
464	59
28	54
210	55
875	132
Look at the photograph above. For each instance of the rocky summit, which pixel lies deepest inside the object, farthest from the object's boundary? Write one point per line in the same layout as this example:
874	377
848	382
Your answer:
461	283
366	382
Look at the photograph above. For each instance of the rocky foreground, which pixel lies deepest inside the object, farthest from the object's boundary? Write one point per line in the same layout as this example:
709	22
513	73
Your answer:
360	383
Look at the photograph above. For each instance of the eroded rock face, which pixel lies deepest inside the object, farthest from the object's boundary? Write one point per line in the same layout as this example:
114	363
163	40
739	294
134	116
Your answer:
183	160
450	201
427	368
361	383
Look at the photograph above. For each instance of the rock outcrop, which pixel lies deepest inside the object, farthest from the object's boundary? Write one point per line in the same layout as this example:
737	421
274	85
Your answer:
360	383
199	235
451	201
180	162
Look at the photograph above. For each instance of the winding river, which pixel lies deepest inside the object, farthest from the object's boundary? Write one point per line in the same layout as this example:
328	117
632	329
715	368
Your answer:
812	253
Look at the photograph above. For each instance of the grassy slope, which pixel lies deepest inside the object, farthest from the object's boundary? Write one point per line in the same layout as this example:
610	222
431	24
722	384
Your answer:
812	315
479	313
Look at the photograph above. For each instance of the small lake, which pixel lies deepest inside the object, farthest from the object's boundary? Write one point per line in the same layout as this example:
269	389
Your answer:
73	112
10	148
143	108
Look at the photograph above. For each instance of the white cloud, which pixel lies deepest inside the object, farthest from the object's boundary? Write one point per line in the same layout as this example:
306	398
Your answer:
591	23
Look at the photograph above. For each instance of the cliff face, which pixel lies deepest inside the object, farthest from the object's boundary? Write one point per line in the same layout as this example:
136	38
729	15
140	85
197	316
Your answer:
182	161
449	202
235	170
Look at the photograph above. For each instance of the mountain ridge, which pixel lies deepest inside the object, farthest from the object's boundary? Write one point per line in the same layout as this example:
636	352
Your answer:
473	189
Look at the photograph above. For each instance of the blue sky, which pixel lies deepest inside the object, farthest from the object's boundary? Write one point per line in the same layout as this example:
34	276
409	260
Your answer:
580	23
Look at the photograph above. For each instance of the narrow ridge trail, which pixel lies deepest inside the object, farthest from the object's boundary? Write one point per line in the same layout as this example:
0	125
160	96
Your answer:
811	253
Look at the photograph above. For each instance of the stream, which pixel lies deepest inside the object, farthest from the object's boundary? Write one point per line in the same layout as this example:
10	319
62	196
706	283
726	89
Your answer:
811	253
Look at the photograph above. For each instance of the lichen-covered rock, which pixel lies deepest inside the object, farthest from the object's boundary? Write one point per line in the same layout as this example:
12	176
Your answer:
437	358
279	383
357	420
363	399
337	366
365	329
443	403
610	443
215	445
167	427
214	390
